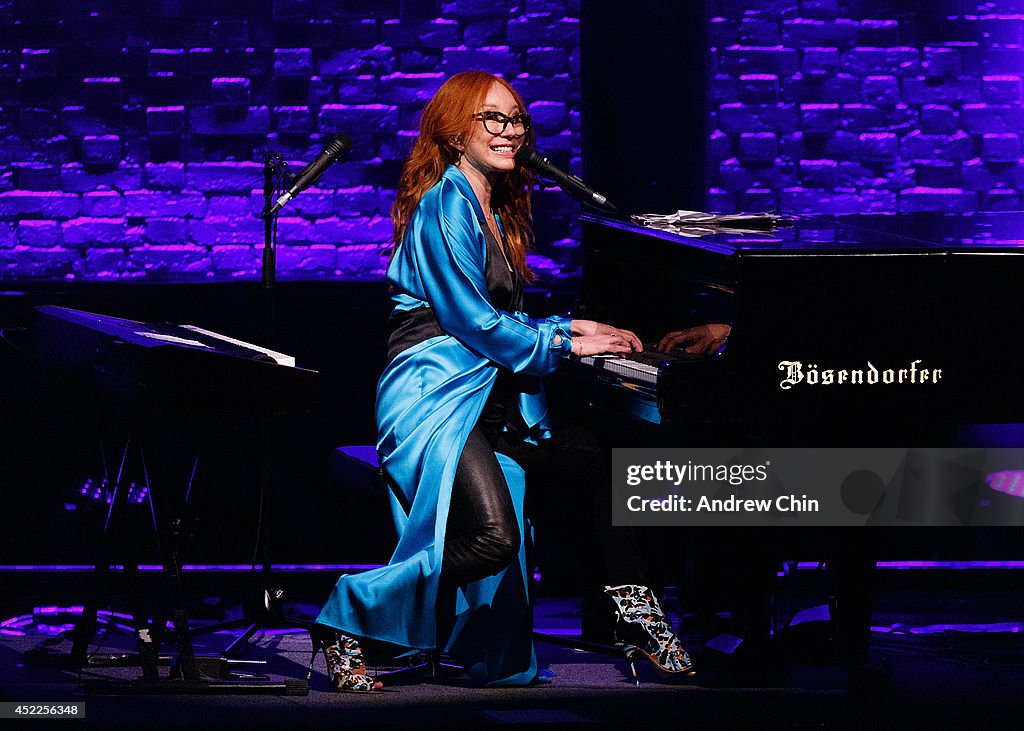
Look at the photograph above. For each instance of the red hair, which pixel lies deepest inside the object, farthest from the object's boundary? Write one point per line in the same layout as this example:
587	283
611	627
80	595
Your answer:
448	116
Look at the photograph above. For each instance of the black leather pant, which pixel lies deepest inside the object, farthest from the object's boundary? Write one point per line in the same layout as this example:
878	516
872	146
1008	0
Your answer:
482	535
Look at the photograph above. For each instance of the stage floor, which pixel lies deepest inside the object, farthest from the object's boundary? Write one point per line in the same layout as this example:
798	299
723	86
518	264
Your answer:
925	670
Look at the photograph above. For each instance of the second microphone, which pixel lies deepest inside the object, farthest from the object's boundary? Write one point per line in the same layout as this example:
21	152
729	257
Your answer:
338	147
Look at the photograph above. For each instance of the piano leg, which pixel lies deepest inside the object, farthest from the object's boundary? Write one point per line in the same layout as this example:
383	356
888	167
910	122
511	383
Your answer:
853	569
732	585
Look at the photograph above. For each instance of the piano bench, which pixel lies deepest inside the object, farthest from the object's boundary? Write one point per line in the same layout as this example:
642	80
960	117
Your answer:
357	468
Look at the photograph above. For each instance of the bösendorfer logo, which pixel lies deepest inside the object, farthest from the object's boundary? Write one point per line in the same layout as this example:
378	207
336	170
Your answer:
796	373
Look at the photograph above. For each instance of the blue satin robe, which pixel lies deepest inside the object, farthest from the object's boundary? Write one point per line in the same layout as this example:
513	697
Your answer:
428	400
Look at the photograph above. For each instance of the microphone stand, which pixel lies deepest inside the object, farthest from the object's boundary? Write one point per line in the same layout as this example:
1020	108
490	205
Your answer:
265	602
263	608
274	167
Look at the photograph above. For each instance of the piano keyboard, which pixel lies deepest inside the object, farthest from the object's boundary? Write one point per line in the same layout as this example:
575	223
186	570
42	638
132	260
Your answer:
644	367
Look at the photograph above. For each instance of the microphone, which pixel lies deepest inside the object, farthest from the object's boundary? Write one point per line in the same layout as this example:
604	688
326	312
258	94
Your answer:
339	146
530	157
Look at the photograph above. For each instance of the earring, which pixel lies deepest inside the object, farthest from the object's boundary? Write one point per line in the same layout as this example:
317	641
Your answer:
455	142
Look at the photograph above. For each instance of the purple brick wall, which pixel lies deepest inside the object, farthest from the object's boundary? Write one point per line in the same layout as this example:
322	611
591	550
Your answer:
871	106
131	133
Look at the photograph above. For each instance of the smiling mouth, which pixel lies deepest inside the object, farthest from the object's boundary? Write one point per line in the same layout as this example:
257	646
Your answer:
504	149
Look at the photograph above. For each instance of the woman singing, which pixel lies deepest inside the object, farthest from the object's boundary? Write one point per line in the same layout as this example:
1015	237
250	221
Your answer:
460	410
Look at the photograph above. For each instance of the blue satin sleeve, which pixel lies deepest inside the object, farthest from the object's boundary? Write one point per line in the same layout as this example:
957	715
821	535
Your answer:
445	252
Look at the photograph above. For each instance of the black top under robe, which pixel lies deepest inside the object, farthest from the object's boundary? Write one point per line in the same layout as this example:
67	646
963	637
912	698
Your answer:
407	328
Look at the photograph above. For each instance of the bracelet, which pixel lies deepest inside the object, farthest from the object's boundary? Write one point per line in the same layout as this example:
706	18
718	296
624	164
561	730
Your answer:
565	341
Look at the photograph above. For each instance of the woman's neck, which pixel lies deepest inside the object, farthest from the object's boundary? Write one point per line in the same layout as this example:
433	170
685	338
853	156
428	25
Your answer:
481	184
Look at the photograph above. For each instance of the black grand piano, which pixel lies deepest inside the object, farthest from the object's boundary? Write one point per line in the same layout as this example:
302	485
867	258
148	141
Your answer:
851	331
873	328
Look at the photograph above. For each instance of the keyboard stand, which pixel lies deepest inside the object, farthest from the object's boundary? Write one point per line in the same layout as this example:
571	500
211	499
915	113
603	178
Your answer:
190	673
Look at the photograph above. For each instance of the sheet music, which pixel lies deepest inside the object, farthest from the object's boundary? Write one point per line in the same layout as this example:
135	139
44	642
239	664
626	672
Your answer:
279	358
697	223
171	339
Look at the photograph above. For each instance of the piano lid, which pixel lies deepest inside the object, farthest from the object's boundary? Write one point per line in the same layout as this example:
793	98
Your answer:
834	295
860	234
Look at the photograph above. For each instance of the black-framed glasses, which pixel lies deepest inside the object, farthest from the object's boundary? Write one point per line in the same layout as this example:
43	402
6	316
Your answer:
496	123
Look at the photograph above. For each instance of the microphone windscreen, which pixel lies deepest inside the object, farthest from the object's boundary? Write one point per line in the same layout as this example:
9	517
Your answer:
532	159
340	144
528	157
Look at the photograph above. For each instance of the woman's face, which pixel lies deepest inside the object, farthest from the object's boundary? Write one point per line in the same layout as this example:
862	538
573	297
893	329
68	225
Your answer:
490	153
